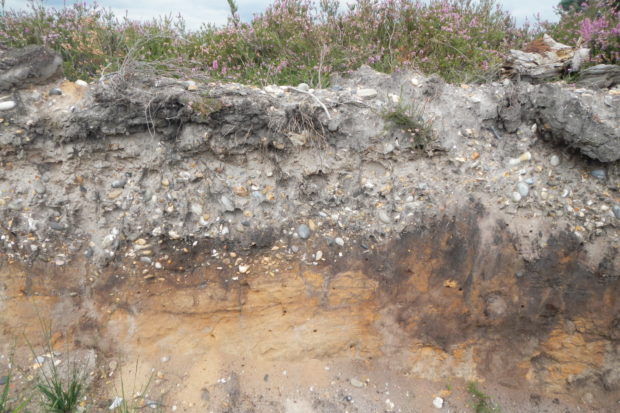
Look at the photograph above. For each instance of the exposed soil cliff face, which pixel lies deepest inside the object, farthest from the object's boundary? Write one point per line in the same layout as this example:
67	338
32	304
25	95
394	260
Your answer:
242	232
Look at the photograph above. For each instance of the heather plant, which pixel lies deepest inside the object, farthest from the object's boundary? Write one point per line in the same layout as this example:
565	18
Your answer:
292	41
594	24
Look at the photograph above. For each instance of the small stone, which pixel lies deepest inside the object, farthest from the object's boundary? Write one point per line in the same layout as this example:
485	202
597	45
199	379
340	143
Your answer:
7	105
529	181
523	189
81	83
158	266
115	194
303	231
303	86
415	81
120	183
165	182
57	226
616	211
258	196
241	191
475	156
227	203
16	204
274	90
356	383
54	92
384	217
196	209
366	93
516	197
191	85
318	255
244	268
339	241
438	402
555	160
113	365
598	174
297	139
38	187
311	225
116	403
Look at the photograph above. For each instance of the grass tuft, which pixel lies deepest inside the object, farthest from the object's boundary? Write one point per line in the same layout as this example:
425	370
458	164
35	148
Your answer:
481	401
410	121
61	397
61	391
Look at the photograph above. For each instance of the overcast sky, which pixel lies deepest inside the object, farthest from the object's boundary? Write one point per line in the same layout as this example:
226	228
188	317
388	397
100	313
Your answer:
196	12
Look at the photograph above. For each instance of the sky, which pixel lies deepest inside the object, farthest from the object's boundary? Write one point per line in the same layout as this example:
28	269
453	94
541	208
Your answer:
196	12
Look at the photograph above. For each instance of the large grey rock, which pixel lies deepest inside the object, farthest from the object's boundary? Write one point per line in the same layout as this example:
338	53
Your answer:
579	120
544	59
28	65
600	76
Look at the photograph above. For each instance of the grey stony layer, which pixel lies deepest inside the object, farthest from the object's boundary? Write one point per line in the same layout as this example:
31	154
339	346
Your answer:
141	161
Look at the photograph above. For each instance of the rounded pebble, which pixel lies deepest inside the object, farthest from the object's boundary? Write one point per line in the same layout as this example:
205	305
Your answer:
339	241
39	188
303	231
523	189
356	383
8	105
384	217
438	402
54	92
516	196
120	183
227	203
555	160
616	210
598	174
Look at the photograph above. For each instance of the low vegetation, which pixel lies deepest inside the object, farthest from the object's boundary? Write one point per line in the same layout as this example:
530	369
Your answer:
8	405
412	124
296	41
481	403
